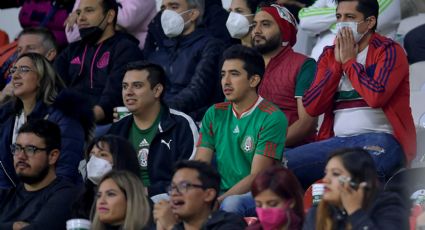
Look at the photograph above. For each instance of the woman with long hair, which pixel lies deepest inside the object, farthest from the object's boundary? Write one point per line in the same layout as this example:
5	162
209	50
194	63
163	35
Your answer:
279	199
39	93
121	203
353	199
104	153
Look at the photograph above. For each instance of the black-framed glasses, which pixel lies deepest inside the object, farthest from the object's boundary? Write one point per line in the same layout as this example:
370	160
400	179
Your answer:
21	69
182	187
28	150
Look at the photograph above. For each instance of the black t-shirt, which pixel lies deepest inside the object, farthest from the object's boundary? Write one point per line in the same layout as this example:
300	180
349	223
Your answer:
48	208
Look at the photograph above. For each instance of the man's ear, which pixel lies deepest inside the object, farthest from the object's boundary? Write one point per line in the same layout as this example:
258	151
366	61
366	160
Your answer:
51	54
158	90
210	195
254	81
194	15
53	156
371	22
110	15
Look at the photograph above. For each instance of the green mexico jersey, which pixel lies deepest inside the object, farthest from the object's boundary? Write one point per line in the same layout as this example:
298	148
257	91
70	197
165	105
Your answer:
260	130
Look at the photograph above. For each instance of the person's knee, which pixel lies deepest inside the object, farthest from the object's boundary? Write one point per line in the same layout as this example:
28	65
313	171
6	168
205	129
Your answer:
243	205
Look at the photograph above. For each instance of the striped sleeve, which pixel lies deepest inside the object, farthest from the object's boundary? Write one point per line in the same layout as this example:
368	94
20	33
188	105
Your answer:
380	80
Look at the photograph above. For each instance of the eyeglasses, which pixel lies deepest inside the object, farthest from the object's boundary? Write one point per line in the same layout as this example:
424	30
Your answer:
20	69
183	187
28	150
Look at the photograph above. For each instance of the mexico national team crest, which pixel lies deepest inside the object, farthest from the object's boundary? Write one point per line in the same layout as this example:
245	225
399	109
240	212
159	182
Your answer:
247	144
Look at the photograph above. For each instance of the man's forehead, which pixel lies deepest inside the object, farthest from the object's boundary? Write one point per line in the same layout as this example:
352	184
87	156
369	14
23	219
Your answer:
89	3
347	7
186	174
263	16
30	39
29	139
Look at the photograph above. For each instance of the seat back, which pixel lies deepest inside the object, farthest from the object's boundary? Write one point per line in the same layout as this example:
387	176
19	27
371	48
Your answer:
417	76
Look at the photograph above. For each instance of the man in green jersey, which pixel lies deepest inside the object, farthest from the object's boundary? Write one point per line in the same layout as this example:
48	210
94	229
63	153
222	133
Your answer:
160	135
246	133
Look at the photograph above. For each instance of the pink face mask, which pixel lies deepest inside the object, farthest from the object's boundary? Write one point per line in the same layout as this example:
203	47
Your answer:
275	218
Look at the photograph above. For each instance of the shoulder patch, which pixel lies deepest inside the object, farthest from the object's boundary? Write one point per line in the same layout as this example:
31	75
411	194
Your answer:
267	107
222	105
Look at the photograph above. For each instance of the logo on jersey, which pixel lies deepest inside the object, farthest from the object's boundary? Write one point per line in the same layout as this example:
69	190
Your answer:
247	144
143	143
236	130
143	157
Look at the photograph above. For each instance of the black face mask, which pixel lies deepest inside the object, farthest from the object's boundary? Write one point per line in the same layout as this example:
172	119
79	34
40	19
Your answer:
92	34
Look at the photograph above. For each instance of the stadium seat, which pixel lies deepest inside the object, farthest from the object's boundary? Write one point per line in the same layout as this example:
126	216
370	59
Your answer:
417	77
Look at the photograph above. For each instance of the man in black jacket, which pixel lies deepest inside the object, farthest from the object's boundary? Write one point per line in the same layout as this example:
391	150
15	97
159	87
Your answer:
42	200
193	193
94	66
190	56
160	135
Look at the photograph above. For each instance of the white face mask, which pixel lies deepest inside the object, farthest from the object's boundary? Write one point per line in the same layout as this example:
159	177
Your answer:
353	27
97	168
172	23
238	25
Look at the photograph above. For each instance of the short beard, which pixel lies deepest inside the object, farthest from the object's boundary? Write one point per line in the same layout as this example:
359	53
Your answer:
36	178
272	44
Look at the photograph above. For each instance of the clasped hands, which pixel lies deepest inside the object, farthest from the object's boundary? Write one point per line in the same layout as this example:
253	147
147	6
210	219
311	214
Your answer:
346	47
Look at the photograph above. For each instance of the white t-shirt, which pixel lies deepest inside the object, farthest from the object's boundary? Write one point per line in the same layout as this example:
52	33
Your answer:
356	117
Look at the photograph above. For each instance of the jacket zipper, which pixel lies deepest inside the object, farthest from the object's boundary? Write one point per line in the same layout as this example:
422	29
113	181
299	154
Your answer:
7	174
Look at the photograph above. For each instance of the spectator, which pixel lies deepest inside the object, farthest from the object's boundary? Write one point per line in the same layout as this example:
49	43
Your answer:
294	6
288	74
319	19
279	199
134	17
37	40
103	154
353	197
414	43
160	135
193	192
362	87
50	14
42	200
189	56
247	133
214	20
95	65
239	23
121	203
39	94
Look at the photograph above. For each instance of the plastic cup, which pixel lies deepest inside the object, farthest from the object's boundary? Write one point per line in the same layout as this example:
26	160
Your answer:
317	193
78	224
122	112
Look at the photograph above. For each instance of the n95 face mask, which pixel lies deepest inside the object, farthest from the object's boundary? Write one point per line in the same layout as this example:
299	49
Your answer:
352	26
238	25
97	168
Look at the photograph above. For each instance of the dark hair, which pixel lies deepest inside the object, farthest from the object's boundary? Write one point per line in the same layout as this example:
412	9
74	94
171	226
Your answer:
156	72
123	154
47	37
111	5
253	5
46	130
208	175
361	166
253	61
366	7
283	183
